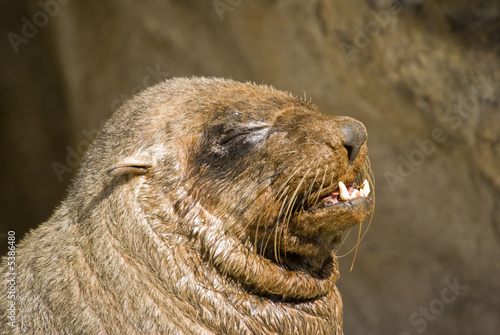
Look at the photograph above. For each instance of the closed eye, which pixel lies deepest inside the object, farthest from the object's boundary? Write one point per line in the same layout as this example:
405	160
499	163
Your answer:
252	134
233	134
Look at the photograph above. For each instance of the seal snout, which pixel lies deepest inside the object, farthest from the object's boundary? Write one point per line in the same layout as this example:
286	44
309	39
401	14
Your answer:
353	135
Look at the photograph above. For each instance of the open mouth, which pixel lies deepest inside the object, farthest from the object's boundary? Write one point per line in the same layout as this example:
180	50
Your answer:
343	193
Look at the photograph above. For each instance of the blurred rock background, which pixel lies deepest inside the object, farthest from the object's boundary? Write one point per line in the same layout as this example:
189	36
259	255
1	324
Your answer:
423	76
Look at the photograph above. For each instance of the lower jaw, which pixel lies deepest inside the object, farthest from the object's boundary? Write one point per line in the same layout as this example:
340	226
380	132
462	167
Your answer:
264	276
330	222
312	240
306	255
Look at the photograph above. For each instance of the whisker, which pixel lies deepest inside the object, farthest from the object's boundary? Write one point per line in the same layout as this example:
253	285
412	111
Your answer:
256	187
344	239
368	175
312	185
266	202
283	191
331	177
263	246
357	246
298	187
288	211
321	187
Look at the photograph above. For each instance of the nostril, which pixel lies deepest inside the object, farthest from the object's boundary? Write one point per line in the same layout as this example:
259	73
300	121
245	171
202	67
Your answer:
352	152
353	138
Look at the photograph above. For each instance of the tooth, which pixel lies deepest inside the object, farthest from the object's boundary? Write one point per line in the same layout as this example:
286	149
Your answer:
344	193
365	189
354	194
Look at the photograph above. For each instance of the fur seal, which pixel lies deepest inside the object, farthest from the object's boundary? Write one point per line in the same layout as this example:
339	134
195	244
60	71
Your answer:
204	206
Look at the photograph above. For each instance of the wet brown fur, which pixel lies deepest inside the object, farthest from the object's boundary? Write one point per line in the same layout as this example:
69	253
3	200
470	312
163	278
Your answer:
189	216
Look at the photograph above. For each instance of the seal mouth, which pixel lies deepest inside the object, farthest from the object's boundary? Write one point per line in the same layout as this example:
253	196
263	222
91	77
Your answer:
313	231
345	192
313	227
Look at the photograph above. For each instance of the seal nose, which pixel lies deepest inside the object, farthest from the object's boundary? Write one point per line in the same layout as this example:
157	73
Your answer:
353	135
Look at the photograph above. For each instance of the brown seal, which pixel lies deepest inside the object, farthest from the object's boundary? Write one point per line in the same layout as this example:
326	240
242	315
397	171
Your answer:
205	206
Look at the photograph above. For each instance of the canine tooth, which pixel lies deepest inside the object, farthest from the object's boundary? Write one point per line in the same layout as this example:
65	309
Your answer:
343	192
365	189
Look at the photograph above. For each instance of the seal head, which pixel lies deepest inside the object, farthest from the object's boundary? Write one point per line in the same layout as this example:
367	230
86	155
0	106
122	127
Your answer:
250	176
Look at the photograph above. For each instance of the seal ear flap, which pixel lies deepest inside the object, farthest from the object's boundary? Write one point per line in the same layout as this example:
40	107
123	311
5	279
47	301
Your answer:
136	165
